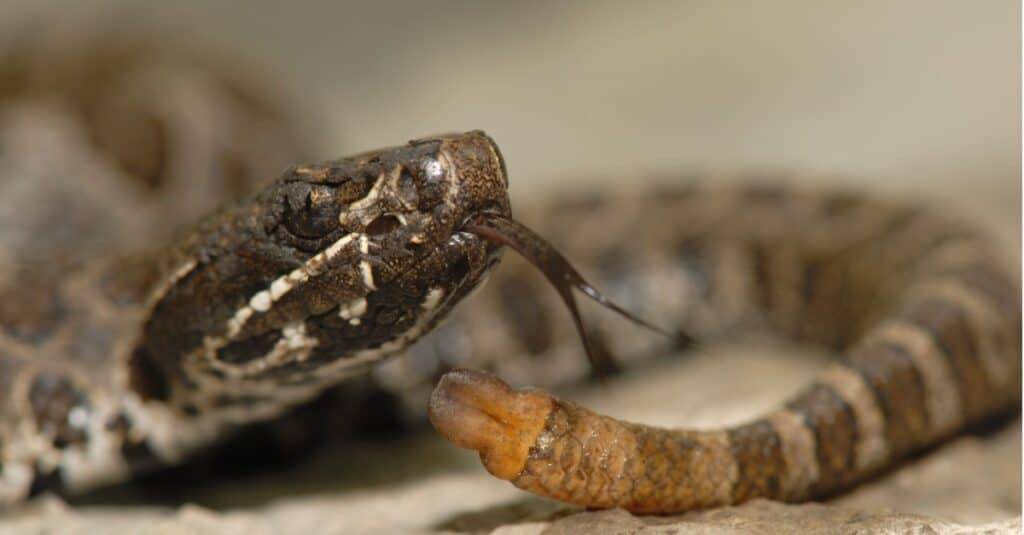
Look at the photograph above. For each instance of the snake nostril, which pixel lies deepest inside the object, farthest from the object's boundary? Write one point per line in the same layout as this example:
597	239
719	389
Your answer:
382	225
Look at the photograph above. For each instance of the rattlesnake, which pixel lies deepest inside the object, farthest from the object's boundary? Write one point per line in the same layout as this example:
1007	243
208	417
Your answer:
125	340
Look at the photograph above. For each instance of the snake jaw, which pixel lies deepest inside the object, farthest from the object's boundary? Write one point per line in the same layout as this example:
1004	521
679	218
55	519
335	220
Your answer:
478	411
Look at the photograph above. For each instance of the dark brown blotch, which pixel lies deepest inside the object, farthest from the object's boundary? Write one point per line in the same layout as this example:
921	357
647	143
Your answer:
823	320
249	349
763	192
840	203
310	210
842	297
389	312
45	480
145	378
761	275
32	308
758	452
899	391
52	398
835	431
137	453
949	327
241	400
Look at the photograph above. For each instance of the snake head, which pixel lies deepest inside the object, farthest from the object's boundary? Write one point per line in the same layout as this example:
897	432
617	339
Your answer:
329	269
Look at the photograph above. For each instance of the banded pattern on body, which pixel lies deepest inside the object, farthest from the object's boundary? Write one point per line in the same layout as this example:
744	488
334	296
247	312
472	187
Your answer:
925	314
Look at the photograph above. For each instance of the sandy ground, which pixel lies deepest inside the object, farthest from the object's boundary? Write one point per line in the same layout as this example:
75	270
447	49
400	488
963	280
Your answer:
915	99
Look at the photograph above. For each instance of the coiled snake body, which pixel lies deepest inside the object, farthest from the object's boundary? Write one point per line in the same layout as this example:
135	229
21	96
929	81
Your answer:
116	350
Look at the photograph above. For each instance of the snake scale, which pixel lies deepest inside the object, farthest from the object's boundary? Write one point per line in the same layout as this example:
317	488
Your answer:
135	330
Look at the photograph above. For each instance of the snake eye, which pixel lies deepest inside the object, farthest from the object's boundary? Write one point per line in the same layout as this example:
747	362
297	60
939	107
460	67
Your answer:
311	210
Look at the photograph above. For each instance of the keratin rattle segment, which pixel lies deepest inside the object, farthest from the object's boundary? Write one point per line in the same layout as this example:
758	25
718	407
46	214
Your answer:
557	449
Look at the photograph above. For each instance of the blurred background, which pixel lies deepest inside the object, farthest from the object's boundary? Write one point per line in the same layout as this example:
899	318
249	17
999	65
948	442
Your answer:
916	97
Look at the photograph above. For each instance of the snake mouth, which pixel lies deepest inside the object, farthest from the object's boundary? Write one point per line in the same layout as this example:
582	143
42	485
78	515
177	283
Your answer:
562	275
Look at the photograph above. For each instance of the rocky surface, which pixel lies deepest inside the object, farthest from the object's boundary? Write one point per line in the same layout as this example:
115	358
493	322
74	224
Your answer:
769	518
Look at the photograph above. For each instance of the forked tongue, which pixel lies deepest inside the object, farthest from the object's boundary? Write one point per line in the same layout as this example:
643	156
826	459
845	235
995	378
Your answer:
561	274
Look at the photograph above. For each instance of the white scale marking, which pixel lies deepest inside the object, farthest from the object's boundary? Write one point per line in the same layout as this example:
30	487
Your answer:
343	367
280	287
293	345
78	417
261	301
433	170
384	180
98	461
264	299
238	320
171	437
353	310
432	299
364	265
367	271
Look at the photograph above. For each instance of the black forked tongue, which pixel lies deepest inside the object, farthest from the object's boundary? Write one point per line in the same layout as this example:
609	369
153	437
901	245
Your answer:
562	275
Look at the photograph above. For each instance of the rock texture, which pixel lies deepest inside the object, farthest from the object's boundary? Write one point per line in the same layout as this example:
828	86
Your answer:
769	518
